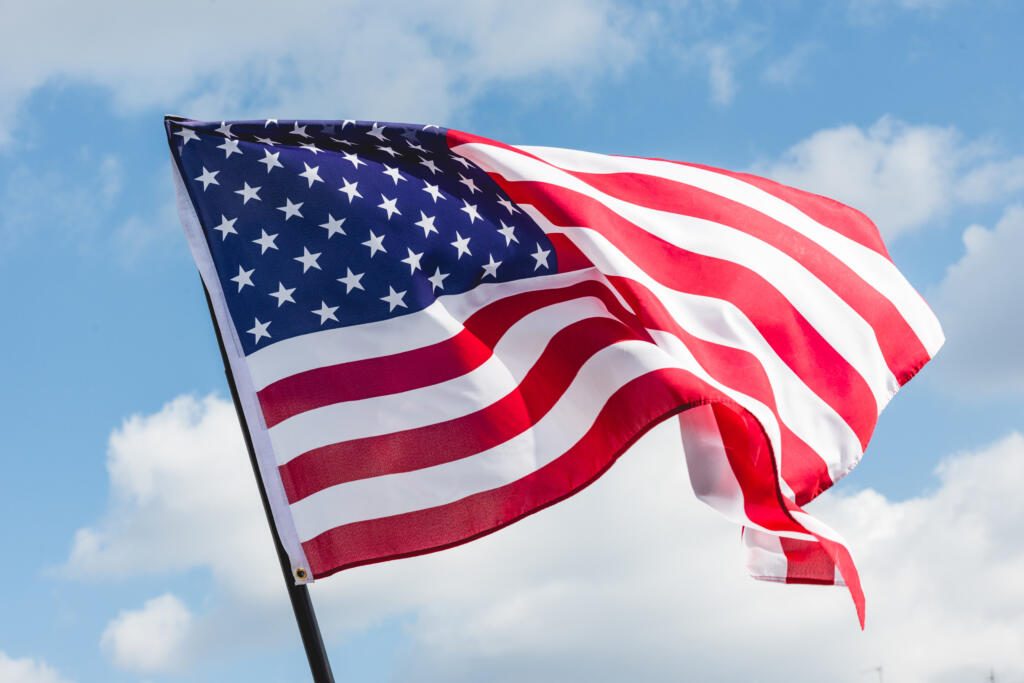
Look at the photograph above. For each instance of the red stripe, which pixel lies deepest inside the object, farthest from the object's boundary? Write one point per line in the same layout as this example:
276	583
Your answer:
834	215
752	463
785	329
464	436
900	346
803	469
627	415
806	561
445	360
568	255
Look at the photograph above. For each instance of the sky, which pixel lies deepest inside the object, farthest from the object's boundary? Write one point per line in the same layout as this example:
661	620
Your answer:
134	542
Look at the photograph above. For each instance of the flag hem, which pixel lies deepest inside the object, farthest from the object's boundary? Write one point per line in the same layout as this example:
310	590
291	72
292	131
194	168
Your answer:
239	370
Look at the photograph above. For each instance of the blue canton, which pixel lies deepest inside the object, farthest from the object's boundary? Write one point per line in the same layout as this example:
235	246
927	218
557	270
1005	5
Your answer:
321	224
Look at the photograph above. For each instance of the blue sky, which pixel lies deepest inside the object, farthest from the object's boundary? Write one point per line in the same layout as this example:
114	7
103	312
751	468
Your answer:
909	110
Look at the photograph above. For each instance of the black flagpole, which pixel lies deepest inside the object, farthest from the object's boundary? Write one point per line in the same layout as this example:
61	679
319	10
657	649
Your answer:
305	617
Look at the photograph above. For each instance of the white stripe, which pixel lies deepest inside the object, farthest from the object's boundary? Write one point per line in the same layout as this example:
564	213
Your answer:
720	322
841	326
874	268
765	558
514	355
711	476
440	321
568	420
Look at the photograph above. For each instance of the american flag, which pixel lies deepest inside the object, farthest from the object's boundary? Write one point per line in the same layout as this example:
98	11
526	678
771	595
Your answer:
435	334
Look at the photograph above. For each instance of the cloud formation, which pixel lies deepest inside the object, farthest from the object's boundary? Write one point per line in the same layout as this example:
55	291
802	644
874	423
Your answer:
149	639
631	579
27	670
903	176
978	301
356	58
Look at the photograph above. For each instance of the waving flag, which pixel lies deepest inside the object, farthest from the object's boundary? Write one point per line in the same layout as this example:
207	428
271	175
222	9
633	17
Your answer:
435	334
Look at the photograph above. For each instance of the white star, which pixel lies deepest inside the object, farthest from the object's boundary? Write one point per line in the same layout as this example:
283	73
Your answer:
244	278
470	210
508	232
299	131
308	260
351	280
265	141
432	191
470	183
351	156
387	149
226	227
394	299
271	160
266	124
259	330
461	244
456	157
311	147
509	206
375	243
186	135
347	143
208	178
351	189
249	193
437	280
230	147
333	226
389	205
491	267
418	148
347	122
283	294
311	174
427	223
377	132
541	256
266	241
429	163
225	129
290	209
326	312
393	174
413	260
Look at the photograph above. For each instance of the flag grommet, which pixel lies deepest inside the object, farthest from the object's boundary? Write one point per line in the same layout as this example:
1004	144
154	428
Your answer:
301	574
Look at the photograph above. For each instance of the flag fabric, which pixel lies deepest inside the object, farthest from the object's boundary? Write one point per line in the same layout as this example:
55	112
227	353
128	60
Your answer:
434	334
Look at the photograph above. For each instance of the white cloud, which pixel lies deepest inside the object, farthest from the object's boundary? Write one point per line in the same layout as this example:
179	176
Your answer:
979	302
902	176
183	496
358	58
151	639
27	671
631	579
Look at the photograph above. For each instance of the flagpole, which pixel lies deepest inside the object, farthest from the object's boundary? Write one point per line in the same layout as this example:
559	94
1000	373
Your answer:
302	606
